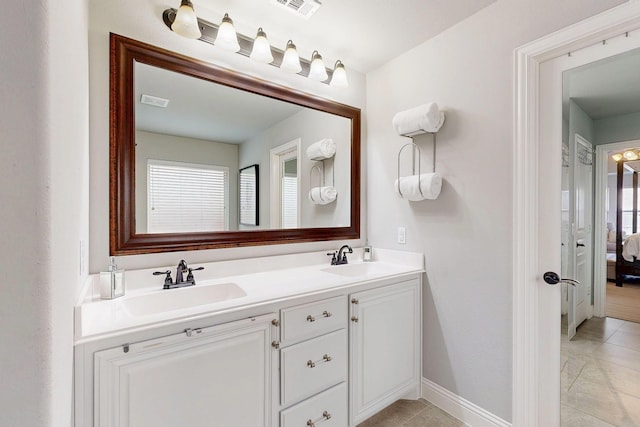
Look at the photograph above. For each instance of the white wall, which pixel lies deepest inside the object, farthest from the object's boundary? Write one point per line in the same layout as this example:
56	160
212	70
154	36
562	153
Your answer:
310	126
579	123
466	235
43	204
157	146
617	129
144	22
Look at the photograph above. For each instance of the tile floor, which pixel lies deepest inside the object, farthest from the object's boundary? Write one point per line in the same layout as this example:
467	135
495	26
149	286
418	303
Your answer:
412	413
600	382
600	379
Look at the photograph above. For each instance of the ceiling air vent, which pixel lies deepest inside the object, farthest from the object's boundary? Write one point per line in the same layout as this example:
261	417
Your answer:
302	8
156	101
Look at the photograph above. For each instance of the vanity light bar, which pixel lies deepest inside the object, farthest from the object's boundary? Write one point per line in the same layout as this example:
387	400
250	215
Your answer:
210	31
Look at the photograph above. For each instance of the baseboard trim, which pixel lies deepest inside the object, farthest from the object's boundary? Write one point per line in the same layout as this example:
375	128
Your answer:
459	407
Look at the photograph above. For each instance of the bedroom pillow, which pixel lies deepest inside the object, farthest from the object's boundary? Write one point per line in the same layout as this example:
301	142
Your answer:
612	236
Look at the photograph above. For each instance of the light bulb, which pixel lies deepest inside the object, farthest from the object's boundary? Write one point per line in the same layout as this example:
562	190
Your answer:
339	78
291	60
261	51
617	157
227	37
186	21
317	70
630	155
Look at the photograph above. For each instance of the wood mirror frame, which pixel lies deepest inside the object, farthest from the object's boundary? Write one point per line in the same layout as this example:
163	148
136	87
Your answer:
123	239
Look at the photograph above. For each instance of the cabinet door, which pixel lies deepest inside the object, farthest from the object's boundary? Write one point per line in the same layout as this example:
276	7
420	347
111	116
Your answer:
217	376
385	347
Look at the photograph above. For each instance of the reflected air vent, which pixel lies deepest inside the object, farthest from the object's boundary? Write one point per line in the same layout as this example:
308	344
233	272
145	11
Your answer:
154	101
302	8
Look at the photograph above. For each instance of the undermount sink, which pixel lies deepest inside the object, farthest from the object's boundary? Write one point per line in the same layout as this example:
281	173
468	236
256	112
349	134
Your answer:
352	270
178	299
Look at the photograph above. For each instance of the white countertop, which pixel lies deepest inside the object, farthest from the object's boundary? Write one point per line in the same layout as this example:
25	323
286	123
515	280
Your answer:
263	280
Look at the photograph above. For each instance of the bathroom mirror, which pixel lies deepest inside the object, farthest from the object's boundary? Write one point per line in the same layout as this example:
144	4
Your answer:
174	117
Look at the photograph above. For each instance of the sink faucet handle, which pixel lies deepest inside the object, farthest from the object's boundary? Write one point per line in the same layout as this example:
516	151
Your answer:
334	259
167	279
190	275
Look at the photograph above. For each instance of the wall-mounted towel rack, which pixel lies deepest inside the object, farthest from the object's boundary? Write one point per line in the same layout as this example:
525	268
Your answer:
413	164
423	119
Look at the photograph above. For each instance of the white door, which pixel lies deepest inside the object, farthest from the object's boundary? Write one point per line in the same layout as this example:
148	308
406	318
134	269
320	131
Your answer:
581	249
214	377
537	204
384	347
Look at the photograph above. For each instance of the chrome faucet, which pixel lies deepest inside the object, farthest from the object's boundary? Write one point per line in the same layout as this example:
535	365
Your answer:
340	257
180	280
182	269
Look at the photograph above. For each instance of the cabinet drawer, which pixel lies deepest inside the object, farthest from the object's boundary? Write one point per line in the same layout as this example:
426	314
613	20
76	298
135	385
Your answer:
312	366
309	320
327	409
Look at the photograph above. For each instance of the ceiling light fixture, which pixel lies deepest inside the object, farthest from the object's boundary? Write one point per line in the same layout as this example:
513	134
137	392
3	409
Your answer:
630	155
227	37
339	78
186	22
261	50
291	60
258	49
317	70
617	157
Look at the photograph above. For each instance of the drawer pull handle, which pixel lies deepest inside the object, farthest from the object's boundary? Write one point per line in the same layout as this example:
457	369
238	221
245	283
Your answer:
325	358
325	416
325	313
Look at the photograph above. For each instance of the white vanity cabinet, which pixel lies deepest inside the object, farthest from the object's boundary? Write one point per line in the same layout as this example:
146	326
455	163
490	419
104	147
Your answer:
328	355
385	347
216	376
314	364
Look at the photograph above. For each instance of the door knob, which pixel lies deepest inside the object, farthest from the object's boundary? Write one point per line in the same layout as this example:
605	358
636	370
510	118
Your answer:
552	278
579	245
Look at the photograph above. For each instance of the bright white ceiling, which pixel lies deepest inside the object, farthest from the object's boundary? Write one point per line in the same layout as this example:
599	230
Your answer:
363	34
606	88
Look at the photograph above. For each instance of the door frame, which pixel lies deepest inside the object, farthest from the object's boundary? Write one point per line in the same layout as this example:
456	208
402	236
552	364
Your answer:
275	176
600	241
532	344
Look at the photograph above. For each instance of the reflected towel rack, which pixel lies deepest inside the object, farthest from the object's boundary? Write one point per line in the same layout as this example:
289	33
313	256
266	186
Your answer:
321	174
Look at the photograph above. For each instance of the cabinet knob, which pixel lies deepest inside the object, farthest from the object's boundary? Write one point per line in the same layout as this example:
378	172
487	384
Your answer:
275	344
354	319
275	322
354	301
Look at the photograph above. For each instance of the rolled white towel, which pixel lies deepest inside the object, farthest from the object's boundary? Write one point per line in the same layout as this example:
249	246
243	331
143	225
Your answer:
410	187
421	119
323	195
323	149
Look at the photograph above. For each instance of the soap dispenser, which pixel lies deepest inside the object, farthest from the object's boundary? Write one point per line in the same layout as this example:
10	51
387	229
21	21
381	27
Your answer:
367	253
112	281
